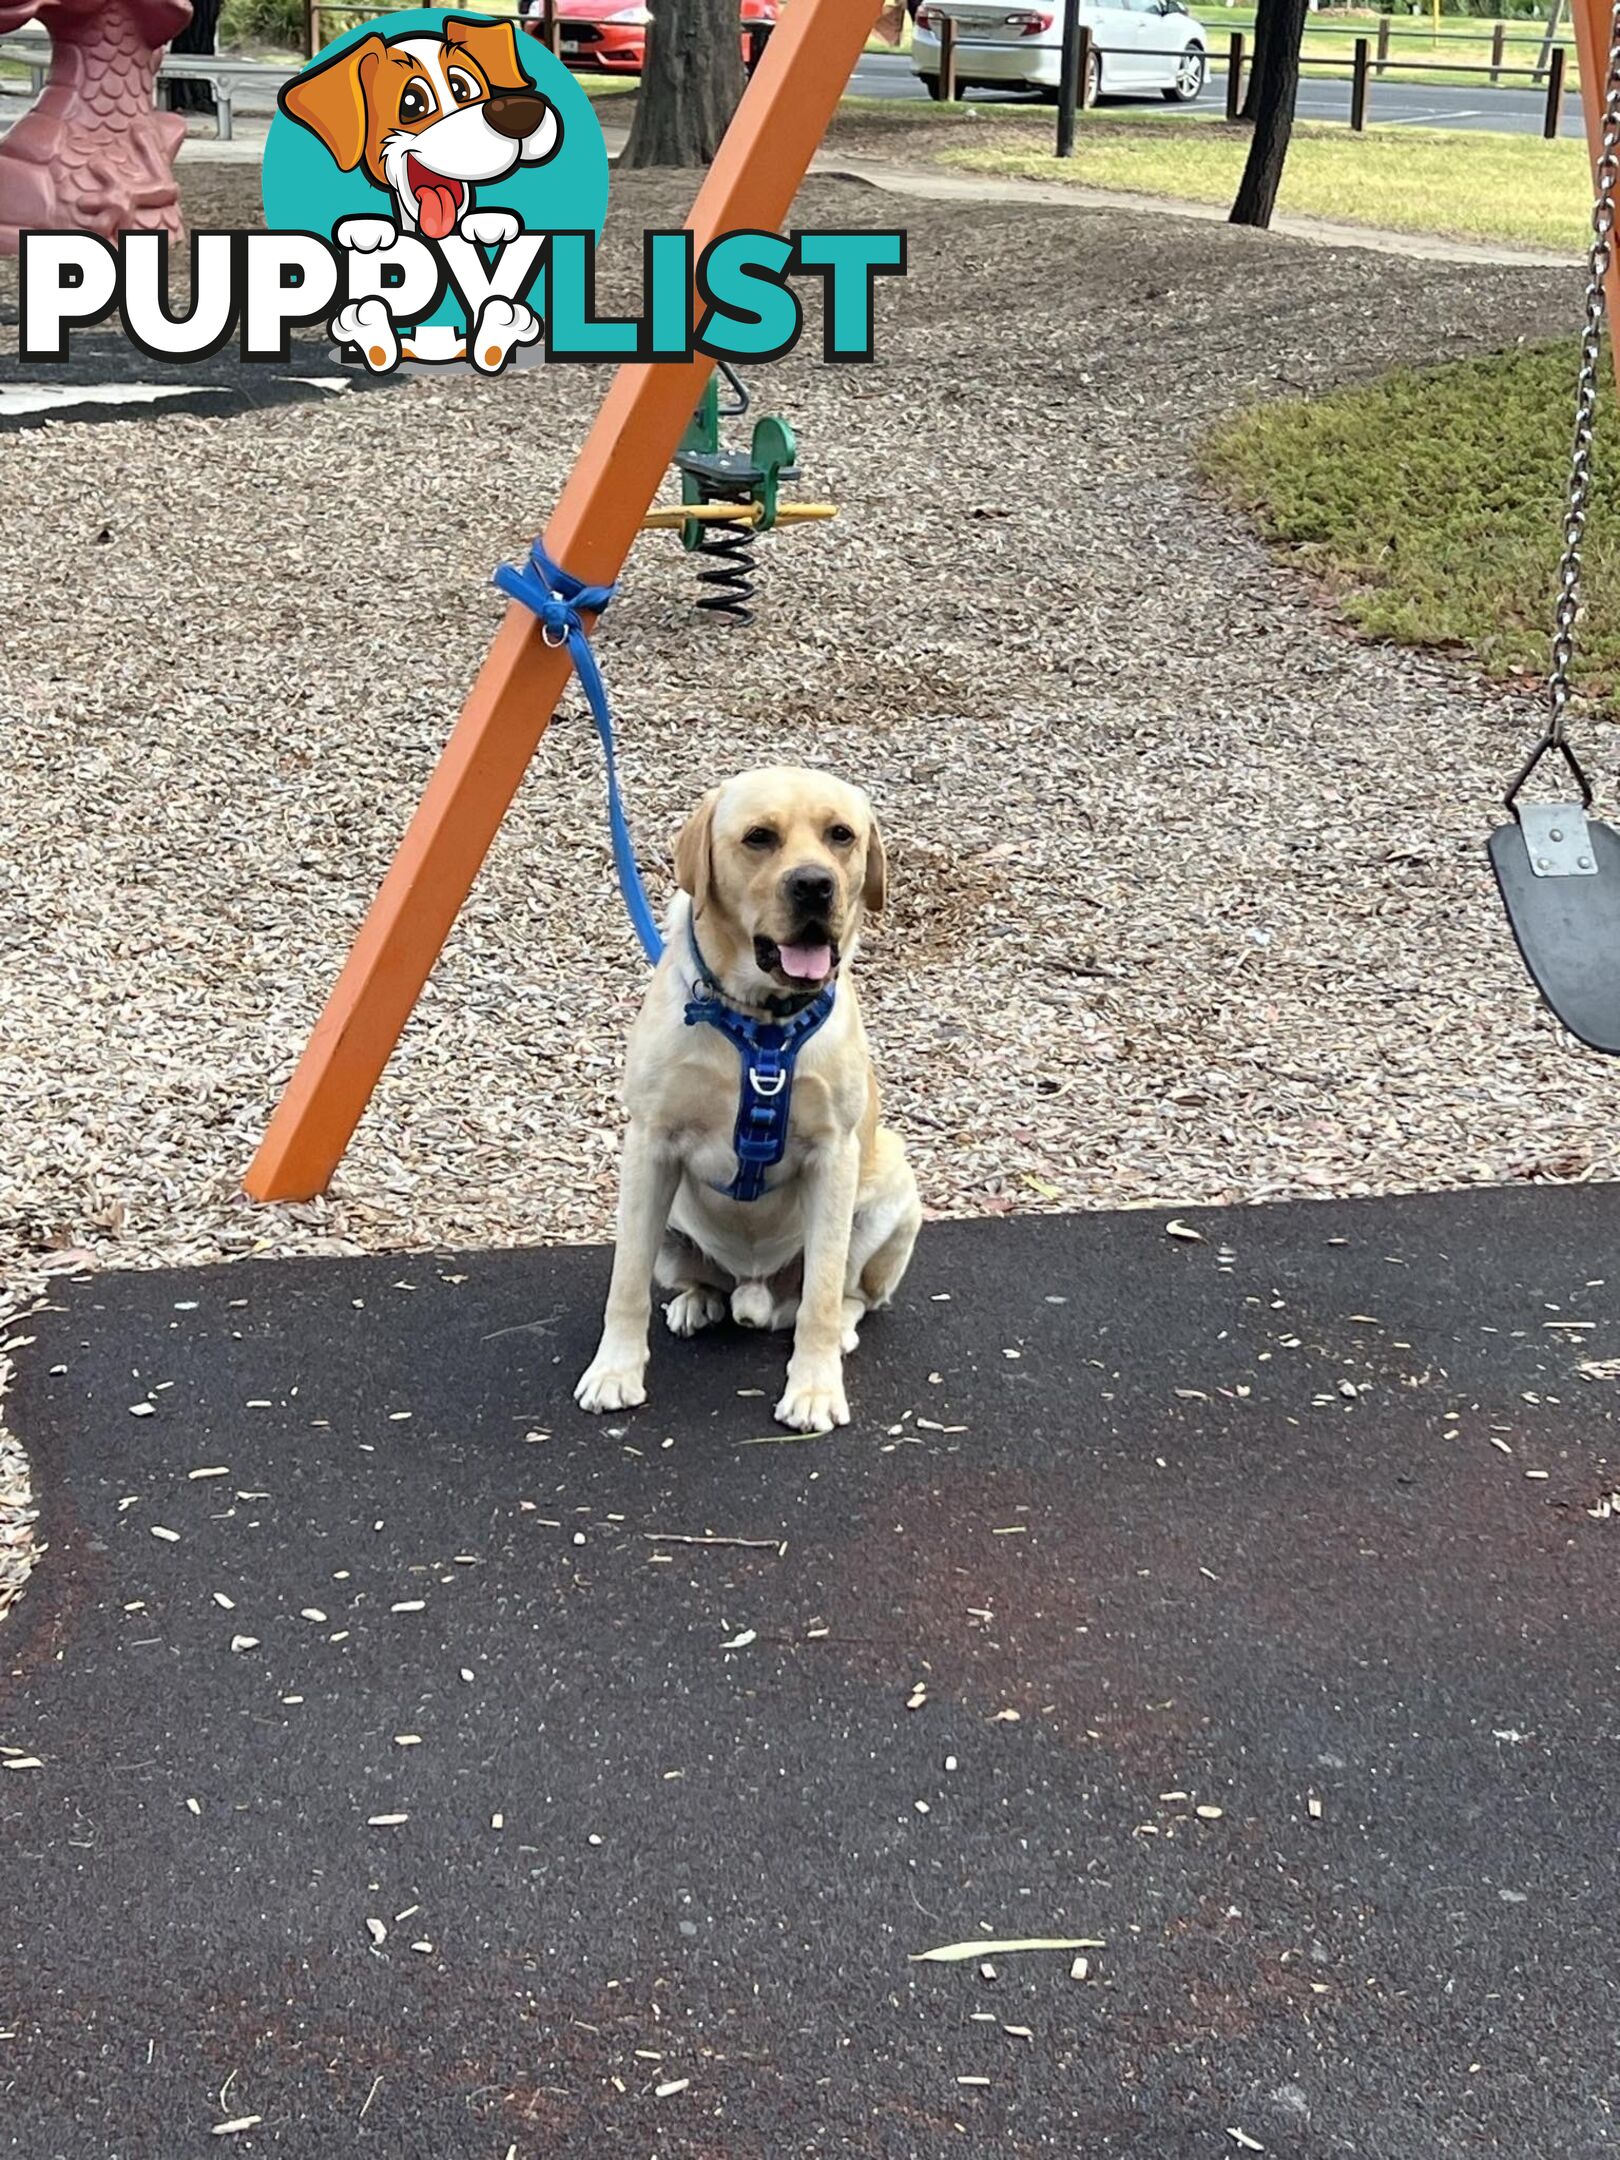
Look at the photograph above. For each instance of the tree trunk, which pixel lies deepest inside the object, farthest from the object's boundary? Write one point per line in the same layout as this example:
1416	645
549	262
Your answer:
1276	85
196	37
691	82
1265	15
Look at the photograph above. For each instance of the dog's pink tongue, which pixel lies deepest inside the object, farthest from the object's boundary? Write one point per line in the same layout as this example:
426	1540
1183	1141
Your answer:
436	211
806	963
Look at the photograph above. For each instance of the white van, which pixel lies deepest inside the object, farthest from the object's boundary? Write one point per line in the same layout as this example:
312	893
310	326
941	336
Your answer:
1137	47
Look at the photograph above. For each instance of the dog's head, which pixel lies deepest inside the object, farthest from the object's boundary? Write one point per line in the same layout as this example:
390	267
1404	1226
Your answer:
781	865
426	117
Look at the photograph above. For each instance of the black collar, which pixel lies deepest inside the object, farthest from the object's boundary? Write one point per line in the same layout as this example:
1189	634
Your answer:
779	1008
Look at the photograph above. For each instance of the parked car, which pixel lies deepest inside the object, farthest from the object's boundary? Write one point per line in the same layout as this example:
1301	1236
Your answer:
1137	47
598	38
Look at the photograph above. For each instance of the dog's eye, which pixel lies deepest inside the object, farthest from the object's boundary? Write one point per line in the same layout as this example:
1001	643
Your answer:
759	837
416	101
462	87
840	836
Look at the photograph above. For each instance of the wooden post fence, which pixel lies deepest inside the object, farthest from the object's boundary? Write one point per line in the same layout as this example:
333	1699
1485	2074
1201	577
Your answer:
1555	93
1074	71
947	59
1358	86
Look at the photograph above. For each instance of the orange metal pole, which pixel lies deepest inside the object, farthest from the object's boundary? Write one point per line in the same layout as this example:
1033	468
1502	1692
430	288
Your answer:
755	175
1593	20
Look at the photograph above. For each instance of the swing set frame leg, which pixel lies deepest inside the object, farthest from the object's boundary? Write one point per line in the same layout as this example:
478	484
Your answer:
783	115
1591	20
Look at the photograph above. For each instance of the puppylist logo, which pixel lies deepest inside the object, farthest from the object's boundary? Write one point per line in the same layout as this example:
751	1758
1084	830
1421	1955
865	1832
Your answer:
438	156
435	185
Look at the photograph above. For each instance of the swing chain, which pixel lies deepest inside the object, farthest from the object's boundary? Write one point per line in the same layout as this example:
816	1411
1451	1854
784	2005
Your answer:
1598	264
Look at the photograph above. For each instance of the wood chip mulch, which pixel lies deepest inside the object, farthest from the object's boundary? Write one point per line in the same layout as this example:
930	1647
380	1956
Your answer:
1190	903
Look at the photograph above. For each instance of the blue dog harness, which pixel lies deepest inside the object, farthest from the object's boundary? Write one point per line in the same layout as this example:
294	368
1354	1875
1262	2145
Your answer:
768	1048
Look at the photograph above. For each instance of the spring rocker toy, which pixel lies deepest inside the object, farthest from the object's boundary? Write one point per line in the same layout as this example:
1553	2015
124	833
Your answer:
729	496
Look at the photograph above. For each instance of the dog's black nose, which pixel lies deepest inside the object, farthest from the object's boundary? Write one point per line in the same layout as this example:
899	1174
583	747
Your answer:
515	113
810	890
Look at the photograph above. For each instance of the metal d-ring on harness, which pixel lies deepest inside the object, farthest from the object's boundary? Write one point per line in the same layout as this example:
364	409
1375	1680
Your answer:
1557	868
768	1048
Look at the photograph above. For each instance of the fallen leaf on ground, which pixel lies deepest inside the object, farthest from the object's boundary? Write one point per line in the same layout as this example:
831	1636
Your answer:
959	1953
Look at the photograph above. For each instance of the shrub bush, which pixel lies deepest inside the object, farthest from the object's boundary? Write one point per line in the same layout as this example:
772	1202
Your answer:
280	23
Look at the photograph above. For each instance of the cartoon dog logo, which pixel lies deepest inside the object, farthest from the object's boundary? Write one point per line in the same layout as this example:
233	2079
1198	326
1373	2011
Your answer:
428	119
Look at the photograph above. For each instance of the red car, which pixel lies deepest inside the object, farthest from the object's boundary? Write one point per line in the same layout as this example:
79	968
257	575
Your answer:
597	38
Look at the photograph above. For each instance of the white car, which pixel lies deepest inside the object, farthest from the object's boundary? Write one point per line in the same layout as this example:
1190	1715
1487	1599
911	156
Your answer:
1137	47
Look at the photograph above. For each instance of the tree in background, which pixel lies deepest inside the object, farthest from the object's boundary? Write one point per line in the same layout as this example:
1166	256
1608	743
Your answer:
1273	88
1264	15
690	84
197	37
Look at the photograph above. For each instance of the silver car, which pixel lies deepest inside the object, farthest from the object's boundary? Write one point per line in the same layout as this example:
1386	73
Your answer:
1137	47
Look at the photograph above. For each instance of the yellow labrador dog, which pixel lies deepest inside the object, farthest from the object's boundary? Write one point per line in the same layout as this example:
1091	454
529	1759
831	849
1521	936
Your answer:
756	1178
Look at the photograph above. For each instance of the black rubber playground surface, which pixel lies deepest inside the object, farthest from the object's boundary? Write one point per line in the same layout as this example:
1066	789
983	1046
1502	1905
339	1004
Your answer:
387	1772
105	378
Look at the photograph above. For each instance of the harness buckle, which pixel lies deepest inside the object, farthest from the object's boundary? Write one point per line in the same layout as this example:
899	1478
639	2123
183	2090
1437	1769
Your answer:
769	1088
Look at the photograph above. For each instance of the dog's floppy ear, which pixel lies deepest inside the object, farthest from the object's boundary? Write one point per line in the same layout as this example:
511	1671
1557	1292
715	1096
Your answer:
331	101
875	886
494	46
694	852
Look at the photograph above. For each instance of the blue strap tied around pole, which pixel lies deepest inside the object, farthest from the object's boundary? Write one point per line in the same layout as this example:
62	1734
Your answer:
557	600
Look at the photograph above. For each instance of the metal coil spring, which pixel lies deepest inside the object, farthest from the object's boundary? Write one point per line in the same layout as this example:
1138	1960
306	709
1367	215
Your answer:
729	579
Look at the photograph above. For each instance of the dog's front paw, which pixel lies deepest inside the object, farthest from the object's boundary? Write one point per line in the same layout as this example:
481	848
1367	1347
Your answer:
365	235
368	325
503	325
814	1400
690	1310
490	228
612	1382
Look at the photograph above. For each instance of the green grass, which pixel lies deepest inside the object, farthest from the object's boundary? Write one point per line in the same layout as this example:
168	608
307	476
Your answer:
1429	506
1464	41
1512	188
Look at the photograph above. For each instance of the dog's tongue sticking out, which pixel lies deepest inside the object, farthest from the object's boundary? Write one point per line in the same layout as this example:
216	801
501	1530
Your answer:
805	963
436	209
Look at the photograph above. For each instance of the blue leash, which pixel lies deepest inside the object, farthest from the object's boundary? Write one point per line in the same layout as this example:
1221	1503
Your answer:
557	599
769	1049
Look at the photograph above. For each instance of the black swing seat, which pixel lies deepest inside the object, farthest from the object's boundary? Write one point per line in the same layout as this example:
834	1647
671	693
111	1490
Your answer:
1558	871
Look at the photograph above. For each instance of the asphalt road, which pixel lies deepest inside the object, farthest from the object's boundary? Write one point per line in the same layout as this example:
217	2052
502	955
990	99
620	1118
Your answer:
1411	104
1476	108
